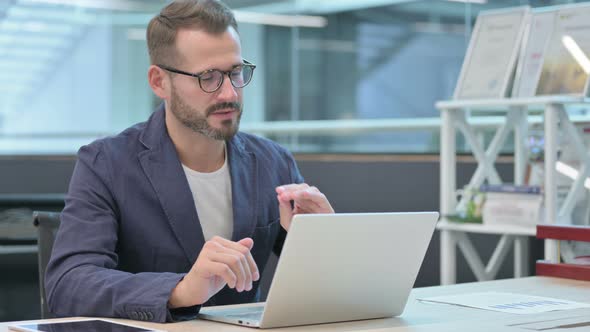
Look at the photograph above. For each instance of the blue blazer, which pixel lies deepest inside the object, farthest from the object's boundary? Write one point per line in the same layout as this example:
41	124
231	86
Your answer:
129	231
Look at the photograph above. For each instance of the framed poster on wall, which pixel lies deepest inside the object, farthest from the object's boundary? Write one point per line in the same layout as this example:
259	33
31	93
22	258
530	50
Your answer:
491	57
534	44
566	64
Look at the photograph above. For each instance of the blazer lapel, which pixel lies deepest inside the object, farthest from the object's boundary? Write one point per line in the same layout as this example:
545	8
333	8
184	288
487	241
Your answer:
244	183
164	171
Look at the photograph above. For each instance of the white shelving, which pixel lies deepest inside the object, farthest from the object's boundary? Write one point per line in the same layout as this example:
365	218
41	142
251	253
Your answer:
454	115
487	229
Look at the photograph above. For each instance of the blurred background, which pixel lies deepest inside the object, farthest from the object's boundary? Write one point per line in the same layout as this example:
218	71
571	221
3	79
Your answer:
75	70
72	71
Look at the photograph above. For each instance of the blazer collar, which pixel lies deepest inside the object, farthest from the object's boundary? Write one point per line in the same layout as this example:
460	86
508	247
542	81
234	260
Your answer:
243	168
162	166
155	133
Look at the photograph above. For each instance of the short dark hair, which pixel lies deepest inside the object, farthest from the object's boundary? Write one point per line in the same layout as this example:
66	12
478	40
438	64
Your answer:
212	16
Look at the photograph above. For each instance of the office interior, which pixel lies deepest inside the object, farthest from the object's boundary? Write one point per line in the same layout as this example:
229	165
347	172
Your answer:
74	71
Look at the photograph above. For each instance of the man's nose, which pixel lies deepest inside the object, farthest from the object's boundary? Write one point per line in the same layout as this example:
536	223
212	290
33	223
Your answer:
227	91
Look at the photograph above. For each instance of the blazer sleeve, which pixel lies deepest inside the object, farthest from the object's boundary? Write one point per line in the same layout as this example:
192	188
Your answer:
82	277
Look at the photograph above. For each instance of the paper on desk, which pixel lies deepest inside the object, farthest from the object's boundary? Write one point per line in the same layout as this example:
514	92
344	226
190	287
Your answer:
508	302
562	323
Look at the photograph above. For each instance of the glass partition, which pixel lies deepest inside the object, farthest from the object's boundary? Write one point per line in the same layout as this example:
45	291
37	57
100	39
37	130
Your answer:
75	70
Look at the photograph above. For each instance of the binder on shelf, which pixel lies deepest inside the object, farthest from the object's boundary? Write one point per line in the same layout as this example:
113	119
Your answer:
510	188
512	204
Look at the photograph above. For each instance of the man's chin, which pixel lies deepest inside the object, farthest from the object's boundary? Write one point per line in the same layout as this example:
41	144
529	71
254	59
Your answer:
224	134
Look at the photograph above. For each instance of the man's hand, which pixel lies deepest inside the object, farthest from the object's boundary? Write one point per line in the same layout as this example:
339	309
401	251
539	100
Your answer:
305	199
221	262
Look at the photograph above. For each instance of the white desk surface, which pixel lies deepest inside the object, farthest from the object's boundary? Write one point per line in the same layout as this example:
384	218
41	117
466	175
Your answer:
425	317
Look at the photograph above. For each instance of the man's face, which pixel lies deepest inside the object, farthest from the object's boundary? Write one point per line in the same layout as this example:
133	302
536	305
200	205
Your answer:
215	115
224	117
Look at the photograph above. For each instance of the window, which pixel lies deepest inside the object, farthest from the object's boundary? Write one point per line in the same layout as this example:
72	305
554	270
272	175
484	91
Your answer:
73	71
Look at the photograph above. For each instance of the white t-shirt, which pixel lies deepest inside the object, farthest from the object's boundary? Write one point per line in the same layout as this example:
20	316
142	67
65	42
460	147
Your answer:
213	201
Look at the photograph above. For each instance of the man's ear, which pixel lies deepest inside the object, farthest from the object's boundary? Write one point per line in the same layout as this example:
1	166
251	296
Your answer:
159	82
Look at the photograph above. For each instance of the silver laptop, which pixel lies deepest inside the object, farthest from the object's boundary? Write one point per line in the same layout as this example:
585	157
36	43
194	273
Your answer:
340	267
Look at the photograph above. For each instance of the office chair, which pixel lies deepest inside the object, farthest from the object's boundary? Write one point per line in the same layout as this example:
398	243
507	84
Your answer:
47	224
580	268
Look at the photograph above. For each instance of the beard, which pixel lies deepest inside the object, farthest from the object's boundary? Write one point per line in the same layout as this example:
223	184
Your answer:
191	118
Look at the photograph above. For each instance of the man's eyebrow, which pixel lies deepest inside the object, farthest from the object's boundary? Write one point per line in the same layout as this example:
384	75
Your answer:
237	64
232	67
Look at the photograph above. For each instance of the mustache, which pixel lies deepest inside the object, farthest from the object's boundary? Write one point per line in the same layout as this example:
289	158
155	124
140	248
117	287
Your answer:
232	105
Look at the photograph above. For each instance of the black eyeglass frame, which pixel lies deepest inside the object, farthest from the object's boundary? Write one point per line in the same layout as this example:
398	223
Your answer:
245	63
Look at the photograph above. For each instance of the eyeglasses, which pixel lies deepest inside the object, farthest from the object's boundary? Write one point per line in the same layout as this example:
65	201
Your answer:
212	79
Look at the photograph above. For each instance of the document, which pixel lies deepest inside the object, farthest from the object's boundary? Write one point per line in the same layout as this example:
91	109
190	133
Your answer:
561	323
508	302
531	61
566	64
492	54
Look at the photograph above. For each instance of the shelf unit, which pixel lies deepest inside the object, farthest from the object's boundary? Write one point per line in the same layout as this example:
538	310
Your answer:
455	116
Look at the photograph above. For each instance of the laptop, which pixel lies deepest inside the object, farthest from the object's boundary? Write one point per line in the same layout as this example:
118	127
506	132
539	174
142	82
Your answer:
339	267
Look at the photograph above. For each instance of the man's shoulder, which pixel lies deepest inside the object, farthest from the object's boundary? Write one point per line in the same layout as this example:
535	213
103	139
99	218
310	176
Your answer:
258	144
122	144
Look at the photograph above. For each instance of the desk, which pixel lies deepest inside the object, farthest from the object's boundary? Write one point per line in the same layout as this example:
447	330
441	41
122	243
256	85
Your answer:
426	317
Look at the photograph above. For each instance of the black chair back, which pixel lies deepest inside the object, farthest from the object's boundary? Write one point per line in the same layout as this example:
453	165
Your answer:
47	224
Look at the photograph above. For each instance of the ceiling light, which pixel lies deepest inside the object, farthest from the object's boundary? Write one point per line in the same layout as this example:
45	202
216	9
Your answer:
16	52
281	20
10	25
54	14
93	4
14	40
470	1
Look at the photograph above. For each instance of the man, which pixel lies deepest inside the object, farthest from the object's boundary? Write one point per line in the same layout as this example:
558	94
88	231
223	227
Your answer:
182	210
